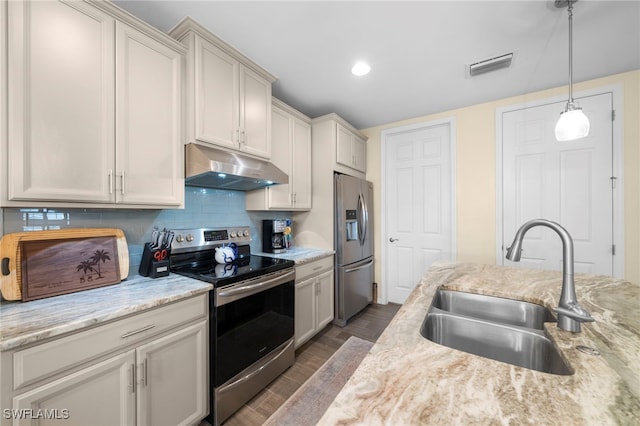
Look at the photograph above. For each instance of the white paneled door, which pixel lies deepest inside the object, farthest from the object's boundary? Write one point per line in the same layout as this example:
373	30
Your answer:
567	182
419	195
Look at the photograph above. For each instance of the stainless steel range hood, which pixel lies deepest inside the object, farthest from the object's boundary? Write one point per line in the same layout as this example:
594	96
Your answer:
216	168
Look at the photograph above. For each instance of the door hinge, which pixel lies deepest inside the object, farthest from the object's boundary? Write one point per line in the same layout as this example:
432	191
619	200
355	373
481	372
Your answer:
613	249
613	115
613	182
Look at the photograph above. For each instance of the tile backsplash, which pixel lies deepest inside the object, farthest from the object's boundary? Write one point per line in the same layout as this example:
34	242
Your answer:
213	208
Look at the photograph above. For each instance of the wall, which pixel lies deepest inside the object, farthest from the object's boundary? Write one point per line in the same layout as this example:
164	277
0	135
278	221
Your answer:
475	174
203	208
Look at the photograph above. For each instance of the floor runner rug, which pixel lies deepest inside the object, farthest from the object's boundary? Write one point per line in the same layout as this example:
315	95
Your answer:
307	405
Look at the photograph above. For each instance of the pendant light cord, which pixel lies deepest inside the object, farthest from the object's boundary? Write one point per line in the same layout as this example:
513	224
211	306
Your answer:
570	8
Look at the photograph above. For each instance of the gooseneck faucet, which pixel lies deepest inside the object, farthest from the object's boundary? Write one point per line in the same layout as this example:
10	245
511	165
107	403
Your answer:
570	314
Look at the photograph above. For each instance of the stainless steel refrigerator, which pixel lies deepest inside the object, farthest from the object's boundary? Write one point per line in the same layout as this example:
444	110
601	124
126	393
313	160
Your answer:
353	245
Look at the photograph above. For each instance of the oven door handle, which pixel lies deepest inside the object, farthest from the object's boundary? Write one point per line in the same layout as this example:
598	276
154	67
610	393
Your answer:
257	287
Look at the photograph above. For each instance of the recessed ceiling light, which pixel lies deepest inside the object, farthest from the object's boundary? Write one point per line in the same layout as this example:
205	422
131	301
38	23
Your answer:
360	69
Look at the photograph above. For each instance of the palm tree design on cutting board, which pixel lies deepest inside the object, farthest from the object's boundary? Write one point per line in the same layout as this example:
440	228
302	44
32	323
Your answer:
86	265
100	256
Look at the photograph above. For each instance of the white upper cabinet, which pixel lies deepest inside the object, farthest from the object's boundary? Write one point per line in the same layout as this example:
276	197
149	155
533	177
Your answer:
228	95
94	111
149	134
291	153
62	100
346	149
350	149
215	96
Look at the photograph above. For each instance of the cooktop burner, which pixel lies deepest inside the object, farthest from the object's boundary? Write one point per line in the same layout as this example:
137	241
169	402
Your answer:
222	274
193	255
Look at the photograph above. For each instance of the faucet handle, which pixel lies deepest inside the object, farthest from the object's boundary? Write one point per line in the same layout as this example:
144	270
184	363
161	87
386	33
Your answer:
575	312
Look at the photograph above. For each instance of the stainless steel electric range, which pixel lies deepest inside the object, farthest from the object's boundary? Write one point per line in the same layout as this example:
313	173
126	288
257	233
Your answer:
251	312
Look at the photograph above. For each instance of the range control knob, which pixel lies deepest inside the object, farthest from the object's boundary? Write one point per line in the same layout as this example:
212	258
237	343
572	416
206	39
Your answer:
190	237
246	233
179	238
233	234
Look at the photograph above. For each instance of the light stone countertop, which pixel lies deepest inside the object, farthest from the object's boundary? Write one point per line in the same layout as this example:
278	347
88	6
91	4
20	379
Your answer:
300	255
28	322
409	380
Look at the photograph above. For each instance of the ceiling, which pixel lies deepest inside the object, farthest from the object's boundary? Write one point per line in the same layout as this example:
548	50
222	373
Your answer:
418	50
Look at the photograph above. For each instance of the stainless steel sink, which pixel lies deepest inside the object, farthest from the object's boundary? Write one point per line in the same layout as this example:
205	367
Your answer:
519	346
505	330
498	309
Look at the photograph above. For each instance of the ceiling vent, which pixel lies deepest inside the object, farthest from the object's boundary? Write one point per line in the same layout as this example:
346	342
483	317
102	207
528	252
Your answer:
488	65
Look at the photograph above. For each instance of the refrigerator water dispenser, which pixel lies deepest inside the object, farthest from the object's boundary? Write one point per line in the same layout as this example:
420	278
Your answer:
351	225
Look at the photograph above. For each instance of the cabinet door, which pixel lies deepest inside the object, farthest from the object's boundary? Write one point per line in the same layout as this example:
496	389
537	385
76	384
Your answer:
100	395
255	113
324	299
280	196
173	378
305	311
301	165
359	152
61	101
217	89
149	166
343	146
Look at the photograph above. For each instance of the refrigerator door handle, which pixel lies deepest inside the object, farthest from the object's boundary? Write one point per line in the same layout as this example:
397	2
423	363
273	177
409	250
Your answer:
363	219
360	217
365	211
357	268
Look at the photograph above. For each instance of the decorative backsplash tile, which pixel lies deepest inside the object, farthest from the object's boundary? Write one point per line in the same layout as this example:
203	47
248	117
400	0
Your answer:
211	208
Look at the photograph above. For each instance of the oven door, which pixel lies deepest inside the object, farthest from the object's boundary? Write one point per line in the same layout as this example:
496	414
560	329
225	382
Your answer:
252	318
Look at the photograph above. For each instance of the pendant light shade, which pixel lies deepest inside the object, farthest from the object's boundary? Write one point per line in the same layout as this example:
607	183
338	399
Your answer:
573	123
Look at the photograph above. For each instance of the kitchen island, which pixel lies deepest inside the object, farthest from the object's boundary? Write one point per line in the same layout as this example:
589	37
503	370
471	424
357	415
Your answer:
409	380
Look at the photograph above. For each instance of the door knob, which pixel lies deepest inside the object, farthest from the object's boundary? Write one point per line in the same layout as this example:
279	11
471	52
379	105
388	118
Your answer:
392	240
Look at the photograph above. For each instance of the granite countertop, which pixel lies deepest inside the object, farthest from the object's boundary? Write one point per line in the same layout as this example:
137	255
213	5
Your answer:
28	322
409	380
301	255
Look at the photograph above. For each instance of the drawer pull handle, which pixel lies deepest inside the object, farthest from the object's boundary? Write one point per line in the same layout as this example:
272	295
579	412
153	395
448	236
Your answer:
317	267
131	333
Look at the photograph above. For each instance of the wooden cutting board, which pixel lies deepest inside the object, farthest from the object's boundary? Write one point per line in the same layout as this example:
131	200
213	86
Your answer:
48	263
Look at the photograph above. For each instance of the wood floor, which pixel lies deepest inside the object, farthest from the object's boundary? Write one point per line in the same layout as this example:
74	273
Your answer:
368	324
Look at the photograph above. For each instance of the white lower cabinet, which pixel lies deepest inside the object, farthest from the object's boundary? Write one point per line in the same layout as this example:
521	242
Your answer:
172	377
147	369
314	302
101	394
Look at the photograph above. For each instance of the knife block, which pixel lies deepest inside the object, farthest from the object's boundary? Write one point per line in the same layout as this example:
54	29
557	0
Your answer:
150	266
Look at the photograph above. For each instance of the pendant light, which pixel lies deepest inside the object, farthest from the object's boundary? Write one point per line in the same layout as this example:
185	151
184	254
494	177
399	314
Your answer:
572	124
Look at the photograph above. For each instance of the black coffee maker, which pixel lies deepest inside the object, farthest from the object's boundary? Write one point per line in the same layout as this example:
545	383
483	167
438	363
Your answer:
274	239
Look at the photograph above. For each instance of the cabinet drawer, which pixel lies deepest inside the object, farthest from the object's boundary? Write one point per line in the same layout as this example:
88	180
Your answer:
313	268
47	359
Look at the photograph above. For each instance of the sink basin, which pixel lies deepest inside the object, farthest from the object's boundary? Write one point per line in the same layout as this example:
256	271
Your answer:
498	309
528	348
